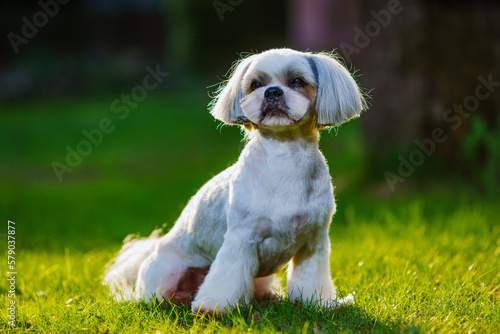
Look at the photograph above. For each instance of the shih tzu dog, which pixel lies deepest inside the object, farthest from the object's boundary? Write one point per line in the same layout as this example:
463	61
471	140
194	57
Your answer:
272	208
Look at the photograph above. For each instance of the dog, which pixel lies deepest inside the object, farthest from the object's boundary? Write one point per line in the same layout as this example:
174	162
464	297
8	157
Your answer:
272	208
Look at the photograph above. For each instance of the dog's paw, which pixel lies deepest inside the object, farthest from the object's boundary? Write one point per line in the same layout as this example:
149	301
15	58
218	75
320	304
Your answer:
202	312
207	306
344	302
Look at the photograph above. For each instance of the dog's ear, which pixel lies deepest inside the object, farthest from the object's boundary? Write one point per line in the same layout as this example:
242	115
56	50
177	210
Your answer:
226	105
338	97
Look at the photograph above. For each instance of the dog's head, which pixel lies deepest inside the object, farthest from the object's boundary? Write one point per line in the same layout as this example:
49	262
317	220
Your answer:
282	88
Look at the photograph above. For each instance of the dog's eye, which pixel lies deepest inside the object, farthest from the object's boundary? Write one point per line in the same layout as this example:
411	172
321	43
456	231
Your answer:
297	82
254	85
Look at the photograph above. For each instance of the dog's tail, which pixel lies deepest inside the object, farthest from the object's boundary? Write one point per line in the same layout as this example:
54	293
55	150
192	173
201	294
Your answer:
121	272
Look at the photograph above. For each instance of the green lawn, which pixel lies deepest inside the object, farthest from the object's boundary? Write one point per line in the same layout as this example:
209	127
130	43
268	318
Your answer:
423	259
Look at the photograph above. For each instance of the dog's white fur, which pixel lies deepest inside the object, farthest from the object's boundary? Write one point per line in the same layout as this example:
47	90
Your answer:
273	207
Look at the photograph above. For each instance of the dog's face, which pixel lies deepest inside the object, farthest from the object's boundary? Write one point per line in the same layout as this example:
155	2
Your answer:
278	90
283	88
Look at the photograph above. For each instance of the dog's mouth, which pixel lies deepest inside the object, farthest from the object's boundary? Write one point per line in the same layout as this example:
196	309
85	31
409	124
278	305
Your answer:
275	111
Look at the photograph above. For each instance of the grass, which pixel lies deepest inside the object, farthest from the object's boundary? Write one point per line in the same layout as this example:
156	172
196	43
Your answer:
424	259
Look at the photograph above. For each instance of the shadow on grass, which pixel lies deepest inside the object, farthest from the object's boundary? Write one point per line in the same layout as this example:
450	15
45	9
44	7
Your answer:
279	316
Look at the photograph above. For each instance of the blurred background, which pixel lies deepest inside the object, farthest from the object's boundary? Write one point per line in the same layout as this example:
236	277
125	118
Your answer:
103	105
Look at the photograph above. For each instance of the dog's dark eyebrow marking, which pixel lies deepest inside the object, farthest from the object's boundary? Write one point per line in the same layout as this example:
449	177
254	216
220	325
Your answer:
291	72
314	68
262	77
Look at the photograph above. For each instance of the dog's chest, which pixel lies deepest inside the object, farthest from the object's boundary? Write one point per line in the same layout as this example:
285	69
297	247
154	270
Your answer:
279	240
289	215
283	187
283	200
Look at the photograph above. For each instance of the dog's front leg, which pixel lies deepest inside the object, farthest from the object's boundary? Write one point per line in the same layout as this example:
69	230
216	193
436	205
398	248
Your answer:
309	273
231	275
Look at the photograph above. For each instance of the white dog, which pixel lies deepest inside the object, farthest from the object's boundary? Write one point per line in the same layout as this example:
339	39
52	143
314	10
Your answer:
273	207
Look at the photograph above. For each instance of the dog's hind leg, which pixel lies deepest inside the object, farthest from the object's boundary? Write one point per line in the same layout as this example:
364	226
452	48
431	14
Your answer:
181	287
156	269
167	276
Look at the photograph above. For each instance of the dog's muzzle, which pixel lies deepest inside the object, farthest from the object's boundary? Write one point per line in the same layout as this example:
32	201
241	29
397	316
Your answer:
274	103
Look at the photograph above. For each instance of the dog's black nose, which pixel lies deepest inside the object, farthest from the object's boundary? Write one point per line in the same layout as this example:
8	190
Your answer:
273	93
